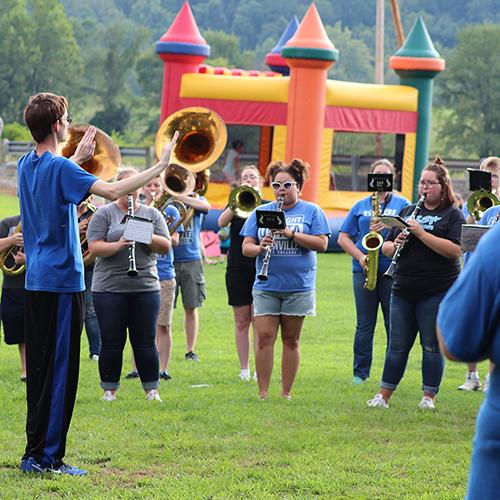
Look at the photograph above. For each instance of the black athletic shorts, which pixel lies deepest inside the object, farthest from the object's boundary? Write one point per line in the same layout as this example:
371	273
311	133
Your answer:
239	284
13	315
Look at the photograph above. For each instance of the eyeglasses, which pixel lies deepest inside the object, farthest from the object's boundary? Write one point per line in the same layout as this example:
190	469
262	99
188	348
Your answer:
68	119
429	183
278	185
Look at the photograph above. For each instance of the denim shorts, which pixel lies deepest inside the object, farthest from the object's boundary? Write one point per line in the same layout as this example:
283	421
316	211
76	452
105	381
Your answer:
284	303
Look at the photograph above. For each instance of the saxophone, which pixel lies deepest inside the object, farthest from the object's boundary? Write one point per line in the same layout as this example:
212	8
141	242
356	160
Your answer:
372	242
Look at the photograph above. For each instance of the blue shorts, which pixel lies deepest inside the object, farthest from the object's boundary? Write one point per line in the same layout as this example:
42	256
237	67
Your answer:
284	303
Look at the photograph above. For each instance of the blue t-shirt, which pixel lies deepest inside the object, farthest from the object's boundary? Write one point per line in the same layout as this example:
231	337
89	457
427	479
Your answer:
357	224
292	268
490	216
165	262
188	248
50	187
469	316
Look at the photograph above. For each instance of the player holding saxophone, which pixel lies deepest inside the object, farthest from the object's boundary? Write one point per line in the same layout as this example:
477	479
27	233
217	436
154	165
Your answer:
360	225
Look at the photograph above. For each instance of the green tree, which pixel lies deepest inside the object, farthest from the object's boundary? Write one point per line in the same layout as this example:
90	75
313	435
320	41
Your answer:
355	61
58	67
17	56
470	88
225	50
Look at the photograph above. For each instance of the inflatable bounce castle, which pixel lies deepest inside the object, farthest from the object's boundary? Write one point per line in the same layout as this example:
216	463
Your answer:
298	109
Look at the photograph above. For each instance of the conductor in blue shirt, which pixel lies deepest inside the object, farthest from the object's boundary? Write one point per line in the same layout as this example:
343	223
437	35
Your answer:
474	299
50	187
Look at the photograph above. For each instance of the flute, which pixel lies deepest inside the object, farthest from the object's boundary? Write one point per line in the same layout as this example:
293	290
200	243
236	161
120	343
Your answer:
269	250
392	267
132	268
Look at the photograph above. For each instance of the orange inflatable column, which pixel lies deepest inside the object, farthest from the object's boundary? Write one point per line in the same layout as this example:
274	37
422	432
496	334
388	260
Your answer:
309	53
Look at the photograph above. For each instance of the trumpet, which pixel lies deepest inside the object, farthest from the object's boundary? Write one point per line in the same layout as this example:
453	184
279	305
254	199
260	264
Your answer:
372	242
392	266
243	200
8	254
269	250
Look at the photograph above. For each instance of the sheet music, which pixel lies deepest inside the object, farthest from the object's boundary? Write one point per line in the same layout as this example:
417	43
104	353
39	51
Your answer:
138	229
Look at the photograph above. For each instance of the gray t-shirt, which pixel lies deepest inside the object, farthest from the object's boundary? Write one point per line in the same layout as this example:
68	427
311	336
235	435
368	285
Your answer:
8	227
110	273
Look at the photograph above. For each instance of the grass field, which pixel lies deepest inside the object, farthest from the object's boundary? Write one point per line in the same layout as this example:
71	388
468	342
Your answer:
218	441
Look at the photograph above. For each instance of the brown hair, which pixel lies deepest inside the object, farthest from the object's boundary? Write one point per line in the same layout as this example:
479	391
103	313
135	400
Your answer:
385	162
297	169
41	112
437	166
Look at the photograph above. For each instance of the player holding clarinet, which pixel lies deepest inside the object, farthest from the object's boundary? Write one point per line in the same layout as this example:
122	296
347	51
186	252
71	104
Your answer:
426	266
288	294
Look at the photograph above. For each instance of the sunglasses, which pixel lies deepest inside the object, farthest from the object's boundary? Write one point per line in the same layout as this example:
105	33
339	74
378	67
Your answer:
278	185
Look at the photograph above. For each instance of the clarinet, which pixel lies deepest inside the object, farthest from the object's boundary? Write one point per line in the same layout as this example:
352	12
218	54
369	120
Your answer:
392	267
132	269
269	250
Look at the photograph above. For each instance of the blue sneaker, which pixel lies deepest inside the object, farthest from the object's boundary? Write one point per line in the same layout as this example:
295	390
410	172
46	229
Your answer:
30	465
358	380
70	470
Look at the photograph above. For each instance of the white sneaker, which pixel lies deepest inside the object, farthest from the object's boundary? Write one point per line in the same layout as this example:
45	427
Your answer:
108	396
94	357
377	401
472	383
486	383
153	396
427	403
245	375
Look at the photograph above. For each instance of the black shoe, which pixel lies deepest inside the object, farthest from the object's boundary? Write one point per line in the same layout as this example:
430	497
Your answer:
165	375
191	356
132	374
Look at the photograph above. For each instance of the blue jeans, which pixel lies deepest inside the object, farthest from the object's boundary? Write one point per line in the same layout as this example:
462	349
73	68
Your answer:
138	312
366	319
408	317
91	324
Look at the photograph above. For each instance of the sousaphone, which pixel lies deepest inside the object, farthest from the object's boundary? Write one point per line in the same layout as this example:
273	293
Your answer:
106	158
202	138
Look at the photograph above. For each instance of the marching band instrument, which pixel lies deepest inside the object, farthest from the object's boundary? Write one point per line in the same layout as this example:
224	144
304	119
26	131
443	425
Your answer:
202	137
132	268
106	158
392	267
480	201
269	250
243	200
8	254
372	242
88	258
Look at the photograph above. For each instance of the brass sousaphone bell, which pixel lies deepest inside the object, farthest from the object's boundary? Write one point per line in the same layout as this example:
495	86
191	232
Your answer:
202	138
104	164
106	158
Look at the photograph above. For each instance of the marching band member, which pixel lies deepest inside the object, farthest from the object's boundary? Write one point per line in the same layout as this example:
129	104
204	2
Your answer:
166	274
50	187
357	224
469	330
492	165
240	274
91	324
428	265
126	302
13	292
289	293
189	270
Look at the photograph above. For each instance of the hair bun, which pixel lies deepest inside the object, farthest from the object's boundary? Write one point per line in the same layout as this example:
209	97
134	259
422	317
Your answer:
438	161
